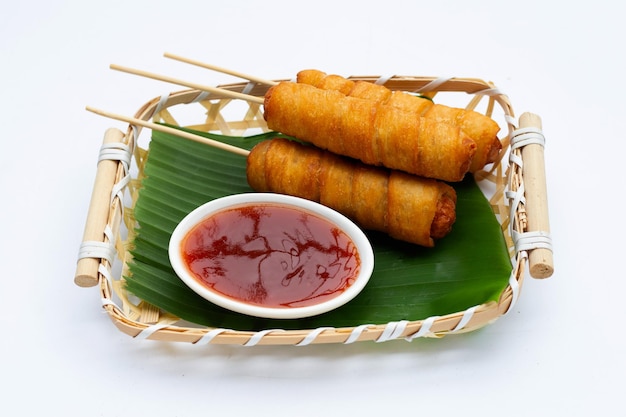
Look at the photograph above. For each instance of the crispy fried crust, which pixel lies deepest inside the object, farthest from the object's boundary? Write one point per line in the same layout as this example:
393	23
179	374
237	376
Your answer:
377	134
407	207
311	77
369	91
481	129
445	215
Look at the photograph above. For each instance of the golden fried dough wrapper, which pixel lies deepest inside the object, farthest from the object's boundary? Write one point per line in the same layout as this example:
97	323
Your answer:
374	133
481	129
407	207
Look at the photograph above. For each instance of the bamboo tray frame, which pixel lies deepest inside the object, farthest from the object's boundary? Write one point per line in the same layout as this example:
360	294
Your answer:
519	204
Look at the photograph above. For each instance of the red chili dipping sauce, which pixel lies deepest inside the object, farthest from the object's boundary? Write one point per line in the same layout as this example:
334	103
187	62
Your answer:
271	256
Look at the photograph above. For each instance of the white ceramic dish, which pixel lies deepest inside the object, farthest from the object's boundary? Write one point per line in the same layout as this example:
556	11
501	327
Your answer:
296	268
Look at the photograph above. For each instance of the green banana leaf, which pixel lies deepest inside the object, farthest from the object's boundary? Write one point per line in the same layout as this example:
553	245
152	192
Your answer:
468	267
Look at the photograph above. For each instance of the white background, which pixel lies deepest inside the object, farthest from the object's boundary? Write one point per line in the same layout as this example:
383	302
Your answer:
559	352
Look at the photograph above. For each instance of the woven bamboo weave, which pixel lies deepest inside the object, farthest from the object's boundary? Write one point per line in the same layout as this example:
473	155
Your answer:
502	183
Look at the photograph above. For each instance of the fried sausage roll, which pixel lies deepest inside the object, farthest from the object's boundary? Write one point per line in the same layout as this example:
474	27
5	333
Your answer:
482	129
407	207
377	134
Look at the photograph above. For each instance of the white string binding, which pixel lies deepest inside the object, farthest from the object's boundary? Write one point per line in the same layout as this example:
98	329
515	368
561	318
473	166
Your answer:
516	198
467	316
108	302
527	136
490	92
149	331
525	241
256	337
106	272
99	250
117	151
531	240
424	329
248	87
161	104
393	330
510	120
516	159
200	97
209	336
355	334
118	188
434	84
312	335
382	80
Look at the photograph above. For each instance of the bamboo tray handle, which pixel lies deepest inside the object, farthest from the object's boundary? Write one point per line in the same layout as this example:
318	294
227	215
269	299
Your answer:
97	217
540	259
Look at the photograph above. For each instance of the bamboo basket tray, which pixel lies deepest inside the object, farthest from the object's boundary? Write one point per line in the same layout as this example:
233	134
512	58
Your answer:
514	185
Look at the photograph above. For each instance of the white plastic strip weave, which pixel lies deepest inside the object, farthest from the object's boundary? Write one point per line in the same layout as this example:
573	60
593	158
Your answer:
99	250
117	152
106	272
201	97
150	330
525	241
424	329
256	337
531	240
434	84
382	80
95	249
467	316
527	136
490	92
510	120
118	188
161	104
312	335
210	335
356	332
393	330
248	88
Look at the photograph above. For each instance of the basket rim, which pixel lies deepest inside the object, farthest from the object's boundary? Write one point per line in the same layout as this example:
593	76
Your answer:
168	328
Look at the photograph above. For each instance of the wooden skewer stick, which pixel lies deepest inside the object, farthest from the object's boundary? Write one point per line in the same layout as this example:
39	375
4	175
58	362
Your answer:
540	260
208	89
220	69
170	130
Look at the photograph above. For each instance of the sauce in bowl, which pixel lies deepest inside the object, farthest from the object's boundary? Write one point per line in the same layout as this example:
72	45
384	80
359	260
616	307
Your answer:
272	258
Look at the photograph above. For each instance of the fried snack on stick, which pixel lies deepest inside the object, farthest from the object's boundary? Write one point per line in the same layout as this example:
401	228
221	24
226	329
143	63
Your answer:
377	134
482	129
409	208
